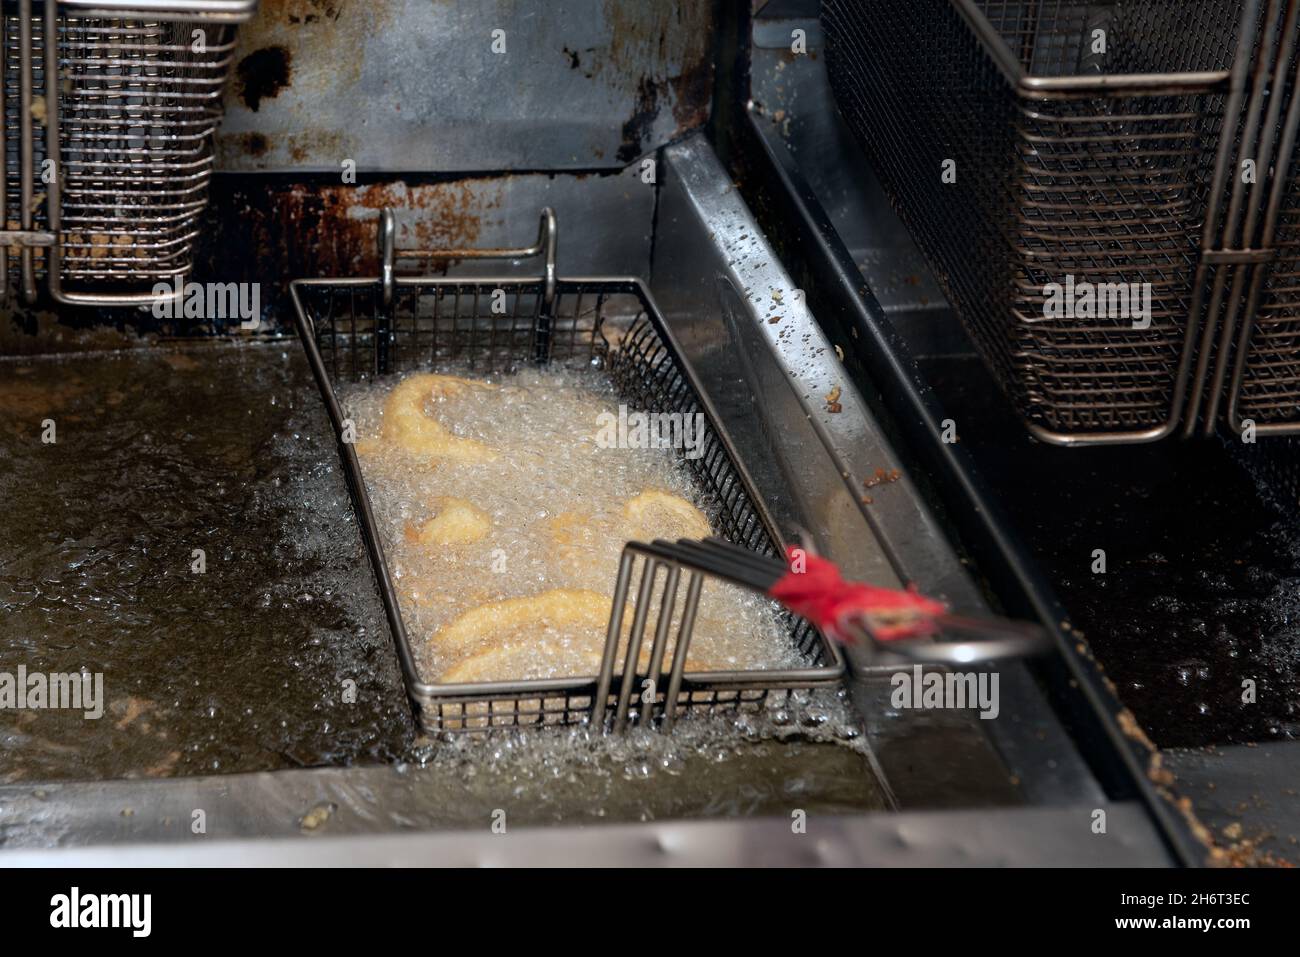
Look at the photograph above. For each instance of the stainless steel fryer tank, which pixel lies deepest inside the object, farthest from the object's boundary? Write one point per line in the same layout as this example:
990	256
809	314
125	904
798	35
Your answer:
713	276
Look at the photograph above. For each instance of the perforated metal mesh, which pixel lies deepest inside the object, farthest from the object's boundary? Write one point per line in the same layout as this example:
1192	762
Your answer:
1106	186
139	101
1055	37
614	323
1269	391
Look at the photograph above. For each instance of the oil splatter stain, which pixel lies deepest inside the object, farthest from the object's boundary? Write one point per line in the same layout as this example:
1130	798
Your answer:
253	144
263	74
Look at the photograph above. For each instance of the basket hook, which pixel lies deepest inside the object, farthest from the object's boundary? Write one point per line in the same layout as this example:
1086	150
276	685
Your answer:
389	254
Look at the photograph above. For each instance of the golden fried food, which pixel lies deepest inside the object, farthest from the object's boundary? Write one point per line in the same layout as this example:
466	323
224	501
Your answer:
560	632
408	426
560	609
573	530
578	539
553	658
455	522
656	514
526	660
652	514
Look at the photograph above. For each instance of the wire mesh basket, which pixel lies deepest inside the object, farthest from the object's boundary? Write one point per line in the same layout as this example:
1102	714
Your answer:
1264	389
1067	168
108	154
357	328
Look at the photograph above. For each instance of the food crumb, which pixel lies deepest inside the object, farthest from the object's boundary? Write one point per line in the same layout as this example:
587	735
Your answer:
833	400
881	477
317	816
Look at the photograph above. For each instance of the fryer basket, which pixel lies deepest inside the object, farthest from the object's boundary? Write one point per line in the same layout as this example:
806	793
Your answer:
357	328
1107	168
108	157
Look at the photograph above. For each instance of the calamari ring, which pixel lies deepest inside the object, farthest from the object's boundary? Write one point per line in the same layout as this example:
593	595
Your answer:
408	426
657	514
652	514
524	661
560	609
527	651
455	522
550	658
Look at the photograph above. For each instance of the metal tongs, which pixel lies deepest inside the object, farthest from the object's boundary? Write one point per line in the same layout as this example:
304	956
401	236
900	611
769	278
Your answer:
888	621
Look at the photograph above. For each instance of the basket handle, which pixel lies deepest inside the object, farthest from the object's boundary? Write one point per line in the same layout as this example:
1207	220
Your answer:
389	254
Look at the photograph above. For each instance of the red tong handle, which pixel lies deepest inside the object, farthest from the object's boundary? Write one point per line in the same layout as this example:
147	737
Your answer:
814	589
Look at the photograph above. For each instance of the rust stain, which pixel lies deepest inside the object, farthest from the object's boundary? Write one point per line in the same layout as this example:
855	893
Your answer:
252	144
324	41
660	54
446	216
640	124
272	233
311	143
301	11
693	89
332	32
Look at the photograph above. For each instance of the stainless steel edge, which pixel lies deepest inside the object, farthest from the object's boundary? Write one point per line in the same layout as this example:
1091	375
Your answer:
1109	84
894	537
1052	837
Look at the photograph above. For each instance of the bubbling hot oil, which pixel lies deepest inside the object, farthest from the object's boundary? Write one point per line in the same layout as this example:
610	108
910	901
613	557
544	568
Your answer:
556	500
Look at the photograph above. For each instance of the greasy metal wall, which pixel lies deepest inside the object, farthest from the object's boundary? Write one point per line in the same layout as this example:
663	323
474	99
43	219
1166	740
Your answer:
443	86
271	229
466	143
